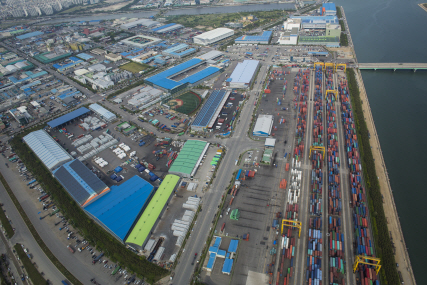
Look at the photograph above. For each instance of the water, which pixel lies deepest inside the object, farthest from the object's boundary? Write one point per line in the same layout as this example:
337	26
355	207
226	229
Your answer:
188	11
394	31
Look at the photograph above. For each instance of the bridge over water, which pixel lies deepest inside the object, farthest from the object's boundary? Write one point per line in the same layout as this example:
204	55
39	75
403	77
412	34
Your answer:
394	66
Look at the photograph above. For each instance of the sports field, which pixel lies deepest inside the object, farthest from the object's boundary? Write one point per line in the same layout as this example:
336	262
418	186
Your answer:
134	67
186	103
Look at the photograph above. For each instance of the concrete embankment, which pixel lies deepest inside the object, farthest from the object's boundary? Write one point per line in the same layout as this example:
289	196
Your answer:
390	210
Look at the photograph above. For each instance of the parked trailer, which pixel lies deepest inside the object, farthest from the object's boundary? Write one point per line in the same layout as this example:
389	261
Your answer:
115	270
97	258
70	248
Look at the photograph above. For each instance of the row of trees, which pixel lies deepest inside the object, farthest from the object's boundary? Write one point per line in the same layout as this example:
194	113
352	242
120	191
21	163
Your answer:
343	40
383	244
92	232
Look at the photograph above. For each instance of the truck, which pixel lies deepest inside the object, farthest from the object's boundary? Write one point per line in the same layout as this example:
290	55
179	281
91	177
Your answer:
115	270
96	259
83	247
31	182
142	143
29	256
70	248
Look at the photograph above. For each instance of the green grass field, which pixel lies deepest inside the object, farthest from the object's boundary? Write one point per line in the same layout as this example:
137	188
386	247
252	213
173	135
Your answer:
134	67
186	103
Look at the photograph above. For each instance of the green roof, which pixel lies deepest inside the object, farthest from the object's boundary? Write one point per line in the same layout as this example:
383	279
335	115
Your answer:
148	218
188	157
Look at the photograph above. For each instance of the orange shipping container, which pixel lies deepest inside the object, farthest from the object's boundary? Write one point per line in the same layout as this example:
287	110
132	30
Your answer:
287	167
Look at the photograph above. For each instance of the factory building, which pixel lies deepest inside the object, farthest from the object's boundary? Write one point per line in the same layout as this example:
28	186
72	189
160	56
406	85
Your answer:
80	182
328	9
142	22
50	153
289	37
146	97
189	158
206	117
140	41
167	28
264	39
319	41
213	36
333	30
179	51
243	74
263	126
118	209
291	23
60	121
102	112
316	22
150	216
211	55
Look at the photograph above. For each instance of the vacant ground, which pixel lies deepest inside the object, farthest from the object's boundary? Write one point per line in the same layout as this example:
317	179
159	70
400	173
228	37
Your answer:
134	67
113	7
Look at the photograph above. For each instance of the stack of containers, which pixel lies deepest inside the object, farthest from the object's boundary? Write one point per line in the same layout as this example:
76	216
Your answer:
314	253
287	252
300	90
363	242
336	237
317	157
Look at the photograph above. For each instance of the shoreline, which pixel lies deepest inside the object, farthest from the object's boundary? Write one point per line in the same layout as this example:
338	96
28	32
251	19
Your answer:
390	210
422	6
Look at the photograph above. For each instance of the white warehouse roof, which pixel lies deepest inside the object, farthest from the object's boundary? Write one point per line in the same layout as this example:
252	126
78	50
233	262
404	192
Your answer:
263	126
101	111
211	55
47	149
244	71
213	36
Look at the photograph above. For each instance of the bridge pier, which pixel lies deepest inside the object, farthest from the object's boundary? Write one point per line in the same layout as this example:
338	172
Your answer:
394	69
415	70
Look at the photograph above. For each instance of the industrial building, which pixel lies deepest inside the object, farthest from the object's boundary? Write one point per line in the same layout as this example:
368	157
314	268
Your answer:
333	30
206	117
164	81
179	51
167	28
189	158
213	36
316	22
243	74
69	63
80	182
211	55
289	37
140	41
146	97
263	126
264	38
118	209
50	153
29	35
319	41
113	57
148	220
102	112
291	23
142	22
60	121
329	9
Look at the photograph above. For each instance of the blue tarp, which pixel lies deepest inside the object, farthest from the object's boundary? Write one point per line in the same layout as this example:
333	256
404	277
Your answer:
68	117
118	169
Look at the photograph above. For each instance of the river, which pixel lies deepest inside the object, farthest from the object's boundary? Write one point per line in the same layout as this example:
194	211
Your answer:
394	31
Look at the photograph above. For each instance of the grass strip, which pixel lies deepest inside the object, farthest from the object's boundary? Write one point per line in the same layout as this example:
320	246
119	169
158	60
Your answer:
37	237
6	224
383	244
32	271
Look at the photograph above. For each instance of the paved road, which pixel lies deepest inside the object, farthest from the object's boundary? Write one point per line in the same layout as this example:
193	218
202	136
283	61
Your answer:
235	146
78	264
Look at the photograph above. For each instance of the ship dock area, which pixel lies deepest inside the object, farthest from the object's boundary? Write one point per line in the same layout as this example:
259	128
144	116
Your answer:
401	253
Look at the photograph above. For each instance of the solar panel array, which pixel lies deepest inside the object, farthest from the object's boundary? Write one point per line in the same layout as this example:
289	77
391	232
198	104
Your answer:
206	113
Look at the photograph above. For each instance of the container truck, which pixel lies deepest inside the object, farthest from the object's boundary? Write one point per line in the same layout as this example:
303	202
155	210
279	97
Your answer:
70	248
97	258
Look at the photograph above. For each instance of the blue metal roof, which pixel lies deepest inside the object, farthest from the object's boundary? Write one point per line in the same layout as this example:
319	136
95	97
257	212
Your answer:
211	261
244	71
162	27
317	19
84	56
329	7
200	75
208	109
265	37
29	35
233	245
118	209
161	79
228	265
68	117
318	53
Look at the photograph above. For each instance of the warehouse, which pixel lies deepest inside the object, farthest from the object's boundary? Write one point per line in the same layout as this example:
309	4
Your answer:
263	126
68	117
213	36
47	149
118	210
289	37
264	38
102	112
29	35
80	182
146	97
179	51
69	63
291	23
329	9
141	41
316	22
167	28
243	74
211	55
189	158
148	220
164	82
210	110
142	22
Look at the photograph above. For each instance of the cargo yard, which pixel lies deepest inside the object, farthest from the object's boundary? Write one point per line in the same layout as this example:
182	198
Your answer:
235	167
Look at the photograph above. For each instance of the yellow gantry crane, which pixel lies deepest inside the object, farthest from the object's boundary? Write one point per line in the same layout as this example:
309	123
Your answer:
319	63
332	91
330	64
317	148
360	259
342	65
292	224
